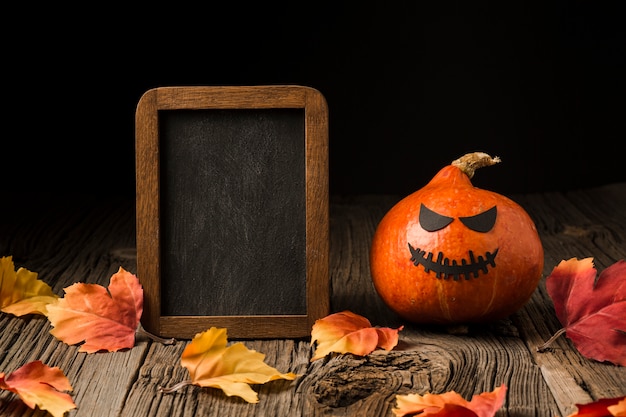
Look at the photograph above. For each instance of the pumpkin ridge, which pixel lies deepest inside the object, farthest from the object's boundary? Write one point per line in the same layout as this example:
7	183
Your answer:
443	301
443	269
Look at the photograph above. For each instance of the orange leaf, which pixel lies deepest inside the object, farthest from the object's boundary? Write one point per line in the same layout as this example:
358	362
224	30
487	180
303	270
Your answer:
347	332
602	408
39	385
21	292
230	368
451	404
103	320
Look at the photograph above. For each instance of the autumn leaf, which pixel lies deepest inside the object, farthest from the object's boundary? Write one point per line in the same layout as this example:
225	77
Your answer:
211	363
21	292
450	404
102	319
602	408
39	385
619	409
347	332
591	308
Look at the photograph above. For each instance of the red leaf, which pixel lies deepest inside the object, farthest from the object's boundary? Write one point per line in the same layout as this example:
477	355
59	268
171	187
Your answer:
592	310
602	408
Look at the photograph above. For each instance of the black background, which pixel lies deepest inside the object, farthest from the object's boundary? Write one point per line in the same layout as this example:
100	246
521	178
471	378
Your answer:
410	86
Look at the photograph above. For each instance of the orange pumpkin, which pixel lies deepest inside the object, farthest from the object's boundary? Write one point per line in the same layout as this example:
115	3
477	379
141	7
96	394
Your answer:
452	253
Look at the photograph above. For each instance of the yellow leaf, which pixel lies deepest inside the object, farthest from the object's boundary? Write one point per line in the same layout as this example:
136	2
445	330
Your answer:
21	292
211	363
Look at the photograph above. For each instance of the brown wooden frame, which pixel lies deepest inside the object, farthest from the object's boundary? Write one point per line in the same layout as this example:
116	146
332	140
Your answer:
317	206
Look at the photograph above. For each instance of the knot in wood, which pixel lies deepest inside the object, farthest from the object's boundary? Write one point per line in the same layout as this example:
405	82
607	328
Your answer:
349	378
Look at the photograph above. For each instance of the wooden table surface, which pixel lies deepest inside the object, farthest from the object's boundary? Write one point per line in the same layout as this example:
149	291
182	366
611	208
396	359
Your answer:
87	239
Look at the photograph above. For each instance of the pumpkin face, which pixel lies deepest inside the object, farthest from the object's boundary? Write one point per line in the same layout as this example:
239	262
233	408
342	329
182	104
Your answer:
454	253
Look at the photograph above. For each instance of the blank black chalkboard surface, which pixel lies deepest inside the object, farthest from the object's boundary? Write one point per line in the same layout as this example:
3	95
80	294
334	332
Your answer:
232	210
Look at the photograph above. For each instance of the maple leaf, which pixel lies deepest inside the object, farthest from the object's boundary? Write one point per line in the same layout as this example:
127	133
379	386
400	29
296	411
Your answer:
347	332
602	408
39	385
591	308
102	319
211	363
450	404
21	292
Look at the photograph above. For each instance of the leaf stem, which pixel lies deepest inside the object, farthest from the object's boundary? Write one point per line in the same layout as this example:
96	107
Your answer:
176	387
142	331
547	344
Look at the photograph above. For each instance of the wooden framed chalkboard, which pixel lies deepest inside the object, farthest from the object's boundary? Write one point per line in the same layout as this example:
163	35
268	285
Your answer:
232	210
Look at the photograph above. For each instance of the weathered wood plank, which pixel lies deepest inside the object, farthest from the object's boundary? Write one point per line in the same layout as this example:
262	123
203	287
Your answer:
585	223
477	360
67	241
353	221
161	368
71	240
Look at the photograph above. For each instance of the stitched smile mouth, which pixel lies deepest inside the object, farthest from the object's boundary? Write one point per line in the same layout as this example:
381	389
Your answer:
446	269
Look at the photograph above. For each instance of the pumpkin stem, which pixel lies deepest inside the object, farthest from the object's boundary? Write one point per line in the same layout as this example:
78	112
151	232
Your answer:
470	162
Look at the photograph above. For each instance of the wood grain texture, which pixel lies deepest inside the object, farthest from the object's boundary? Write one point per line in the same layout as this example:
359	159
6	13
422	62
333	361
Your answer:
71	239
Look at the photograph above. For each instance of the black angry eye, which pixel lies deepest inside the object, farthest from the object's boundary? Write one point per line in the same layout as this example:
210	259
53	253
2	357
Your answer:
432	221
482	222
